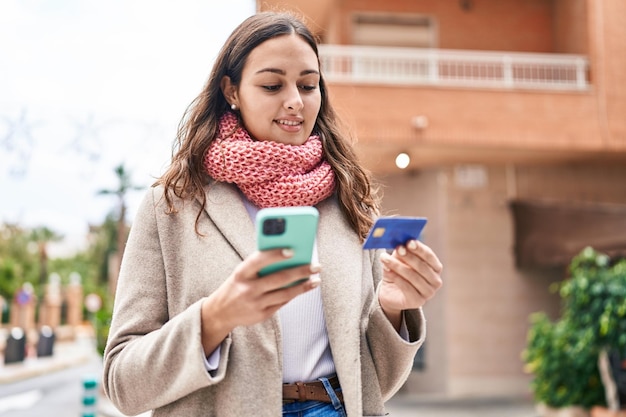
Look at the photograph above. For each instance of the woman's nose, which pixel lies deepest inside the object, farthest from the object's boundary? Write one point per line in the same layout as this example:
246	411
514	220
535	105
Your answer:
293	100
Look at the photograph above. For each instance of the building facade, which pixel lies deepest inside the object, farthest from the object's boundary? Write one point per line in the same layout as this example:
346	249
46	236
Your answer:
512	113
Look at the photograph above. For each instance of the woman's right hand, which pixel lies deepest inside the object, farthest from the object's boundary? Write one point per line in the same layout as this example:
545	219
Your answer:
245	299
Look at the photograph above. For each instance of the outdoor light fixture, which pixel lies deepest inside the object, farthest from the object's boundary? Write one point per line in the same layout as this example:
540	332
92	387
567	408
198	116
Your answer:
403	160
466	5
419	122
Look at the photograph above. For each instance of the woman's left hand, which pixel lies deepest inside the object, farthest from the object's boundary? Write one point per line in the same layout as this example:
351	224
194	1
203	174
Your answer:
411	276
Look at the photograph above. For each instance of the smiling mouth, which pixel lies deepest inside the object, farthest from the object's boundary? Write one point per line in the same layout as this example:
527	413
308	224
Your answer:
288	122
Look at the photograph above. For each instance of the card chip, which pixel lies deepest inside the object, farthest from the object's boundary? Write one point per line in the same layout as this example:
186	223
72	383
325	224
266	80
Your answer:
378	232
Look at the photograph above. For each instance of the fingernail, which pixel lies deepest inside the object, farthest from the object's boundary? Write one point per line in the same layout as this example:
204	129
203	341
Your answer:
315	268
315	281
412	245
287	253
402	250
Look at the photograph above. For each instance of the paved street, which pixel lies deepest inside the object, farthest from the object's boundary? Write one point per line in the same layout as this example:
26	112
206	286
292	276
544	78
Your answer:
49	386
57	394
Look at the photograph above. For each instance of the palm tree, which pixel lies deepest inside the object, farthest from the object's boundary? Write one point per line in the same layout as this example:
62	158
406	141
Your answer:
125	185
42	236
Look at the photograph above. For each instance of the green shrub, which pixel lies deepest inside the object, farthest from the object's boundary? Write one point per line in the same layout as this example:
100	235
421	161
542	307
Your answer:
563	355
563	364
594	299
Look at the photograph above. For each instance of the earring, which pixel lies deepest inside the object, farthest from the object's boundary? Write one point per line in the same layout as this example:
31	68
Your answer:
233	107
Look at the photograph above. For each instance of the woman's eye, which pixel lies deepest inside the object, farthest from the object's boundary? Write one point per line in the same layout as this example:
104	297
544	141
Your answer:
308	87
272	87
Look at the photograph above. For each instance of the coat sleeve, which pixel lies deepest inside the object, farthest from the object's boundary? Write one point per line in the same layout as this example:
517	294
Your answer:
392	355
152	359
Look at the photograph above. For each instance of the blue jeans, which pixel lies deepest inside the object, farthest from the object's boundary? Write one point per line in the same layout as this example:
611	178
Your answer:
316	408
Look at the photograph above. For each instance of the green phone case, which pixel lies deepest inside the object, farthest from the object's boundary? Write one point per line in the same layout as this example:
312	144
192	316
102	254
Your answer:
287	227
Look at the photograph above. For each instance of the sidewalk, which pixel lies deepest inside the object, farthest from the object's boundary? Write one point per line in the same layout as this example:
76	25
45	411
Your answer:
82	350
426	406
67	353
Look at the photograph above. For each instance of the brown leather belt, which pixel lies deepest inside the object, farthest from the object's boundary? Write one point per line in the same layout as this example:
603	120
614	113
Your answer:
310	391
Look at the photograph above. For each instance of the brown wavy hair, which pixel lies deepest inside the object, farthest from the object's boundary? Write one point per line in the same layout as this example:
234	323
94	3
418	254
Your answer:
186	177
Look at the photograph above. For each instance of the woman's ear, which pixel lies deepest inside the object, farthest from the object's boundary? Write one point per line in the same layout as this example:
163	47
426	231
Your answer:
229	90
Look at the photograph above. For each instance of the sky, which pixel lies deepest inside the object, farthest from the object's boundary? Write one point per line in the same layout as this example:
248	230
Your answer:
88	85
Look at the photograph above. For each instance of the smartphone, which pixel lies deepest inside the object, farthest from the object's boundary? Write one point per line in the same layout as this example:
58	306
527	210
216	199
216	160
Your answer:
287	227
391	232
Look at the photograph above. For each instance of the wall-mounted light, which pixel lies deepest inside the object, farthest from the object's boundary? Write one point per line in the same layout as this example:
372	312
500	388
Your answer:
466	5
403	160
419	122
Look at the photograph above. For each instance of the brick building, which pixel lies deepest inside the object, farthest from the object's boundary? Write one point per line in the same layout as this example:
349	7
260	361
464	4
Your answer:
513	115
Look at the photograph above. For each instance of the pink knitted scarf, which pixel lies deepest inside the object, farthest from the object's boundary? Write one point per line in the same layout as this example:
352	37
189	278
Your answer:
270	174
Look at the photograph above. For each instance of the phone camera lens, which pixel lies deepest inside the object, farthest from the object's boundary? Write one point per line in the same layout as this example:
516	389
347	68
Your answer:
274	226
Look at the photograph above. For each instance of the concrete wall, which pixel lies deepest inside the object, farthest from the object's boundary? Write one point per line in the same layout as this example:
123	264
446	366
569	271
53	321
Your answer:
423	194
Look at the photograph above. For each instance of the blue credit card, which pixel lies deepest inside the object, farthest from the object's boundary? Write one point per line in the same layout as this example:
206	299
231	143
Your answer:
391	232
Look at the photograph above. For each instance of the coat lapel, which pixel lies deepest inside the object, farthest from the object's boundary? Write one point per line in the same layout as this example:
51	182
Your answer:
226	209
341	258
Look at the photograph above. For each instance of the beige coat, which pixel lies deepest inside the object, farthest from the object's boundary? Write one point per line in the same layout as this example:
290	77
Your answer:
154	356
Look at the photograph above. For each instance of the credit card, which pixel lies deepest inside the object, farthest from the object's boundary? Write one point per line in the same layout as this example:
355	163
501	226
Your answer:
391	232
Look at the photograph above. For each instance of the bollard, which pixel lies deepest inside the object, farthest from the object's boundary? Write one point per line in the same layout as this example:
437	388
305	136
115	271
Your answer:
90	393
45	344
15	350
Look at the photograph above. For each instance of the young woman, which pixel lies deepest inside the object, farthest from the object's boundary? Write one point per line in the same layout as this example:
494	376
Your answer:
195	332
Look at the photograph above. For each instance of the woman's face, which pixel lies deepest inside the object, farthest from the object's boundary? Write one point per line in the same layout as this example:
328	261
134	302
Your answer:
279	95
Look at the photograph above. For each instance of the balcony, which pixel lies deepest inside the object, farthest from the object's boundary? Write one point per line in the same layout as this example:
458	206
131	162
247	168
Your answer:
472	106
453	68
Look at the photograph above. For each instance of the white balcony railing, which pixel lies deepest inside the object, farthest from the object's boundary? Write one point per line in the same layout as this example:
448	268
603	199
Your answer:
474	69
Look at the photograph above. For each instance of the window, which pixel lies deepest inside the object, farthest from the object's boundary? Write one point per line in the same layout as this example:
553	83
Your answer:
390	29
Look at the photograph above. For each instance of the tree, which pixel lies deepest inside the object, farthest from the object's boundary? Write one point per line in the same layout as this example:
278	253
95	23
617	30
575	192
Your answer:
125	185
42	236
103	241
17	262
